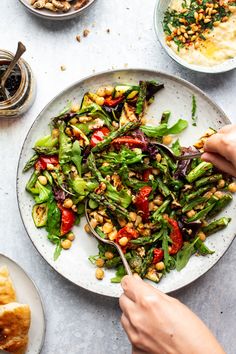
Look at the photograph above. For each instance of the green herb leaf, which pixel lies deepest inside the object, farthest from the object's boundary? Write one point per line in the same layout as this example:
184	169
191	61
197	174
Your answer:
184	255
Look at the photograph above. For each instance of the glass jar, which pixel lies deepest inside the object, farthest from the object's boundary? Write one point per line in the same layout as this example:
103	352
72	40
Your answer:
24	97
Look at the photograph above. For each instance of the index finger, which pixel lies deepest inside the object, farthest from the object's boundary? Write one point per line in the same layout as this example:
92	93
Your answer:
135	288
130	285
217	144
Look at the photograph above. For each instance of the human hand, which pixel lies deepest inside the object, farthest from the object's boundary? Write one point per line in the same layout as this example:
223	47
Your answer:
220	149
159	324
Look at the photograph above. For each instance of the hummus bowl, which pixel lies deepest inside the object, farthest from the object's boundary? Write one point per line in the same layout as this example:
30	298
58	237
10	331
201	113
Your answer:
210	59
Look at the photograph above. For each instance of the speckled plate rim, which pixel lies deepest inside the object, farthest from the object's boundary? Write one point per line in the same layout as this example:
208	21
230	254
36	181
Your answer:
228	65
56	16
39	296
74	85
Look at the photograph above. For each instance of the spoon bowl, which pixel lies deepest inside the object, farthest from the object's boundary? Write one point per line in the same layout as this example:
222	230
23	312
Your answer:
112	243
176	157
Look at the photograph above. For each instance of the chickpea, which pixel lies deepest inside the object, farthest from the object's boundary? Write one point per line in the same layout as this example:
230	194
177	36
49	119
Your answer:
87	228
75	108
208	195
151	206
123	241
55	133
50	167
93	223
70	236
122	222
99	274
158	201
167	139
133	216
138	220
158	157
232	187
74	208
218	194
221	183
156	171
146	160
98	217
101	92
109	255
107	228
68	131
73	121
67	203
66	244
100	101
160	266
130	225
146	232
112	235
191	213
213	190
202	236
100	262
43	180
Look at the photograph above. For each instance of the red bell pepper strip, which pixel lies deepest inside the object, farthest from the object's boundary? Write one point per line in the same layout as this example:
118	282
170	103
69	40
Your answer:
146	174
158	255
129	140
141	202
176	237
67	219
99	135
42	162
112	102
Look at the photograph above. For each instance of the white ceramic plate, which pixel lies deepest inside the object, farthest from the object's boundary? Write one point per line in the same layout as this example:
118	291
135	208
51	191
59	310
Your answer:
27	293
177	97
46	14
161	7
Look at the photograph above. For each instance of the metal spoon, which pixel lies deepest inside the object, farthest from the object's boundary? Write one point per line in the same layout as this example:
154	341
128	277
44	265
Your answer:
175	157
20	50
112	243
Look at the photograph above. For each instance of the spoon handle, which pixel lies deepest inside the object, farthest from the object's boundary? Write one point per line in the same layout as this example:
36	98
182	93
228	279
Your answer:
20	50
126	264
189	156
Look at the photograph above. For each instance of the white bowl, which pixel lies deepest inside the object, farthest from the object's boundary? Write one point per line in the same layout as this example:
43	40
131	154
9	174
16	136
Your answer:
160	8
46	14
176	97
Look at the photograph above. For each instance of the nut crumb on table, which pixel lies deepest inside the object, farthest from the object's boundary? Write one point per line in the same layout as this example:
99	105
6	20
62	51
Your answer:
86	32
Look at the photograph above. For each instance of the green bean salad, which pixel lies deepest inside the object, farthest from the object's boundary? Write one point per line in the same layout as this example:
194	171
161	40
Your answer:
159	210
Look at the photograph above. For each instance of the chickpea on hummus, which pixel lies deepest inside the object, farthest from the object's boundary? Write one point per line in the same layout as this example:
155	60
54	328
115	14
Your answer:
201	32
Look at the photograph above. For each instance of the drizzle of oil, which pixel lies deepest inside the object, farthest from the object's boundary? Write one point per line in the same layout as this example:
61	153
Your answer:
208	48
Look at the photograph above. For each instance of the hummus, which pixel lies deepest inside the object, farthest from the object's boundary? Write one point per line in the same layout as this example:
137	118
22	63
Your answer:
219	46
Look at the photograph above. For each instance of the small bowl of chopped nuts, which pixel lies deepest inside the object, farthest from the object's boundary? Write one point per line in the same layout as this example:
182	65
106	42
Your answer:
57	9
199	35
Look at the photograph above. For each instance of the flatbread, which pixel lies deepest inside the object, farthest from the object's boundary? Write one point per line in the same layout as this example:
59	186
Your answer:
7	291
14	326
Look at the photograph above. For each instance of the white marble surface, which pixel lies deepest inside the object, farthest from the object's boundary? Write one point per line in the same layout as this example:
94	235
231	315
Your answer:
78	321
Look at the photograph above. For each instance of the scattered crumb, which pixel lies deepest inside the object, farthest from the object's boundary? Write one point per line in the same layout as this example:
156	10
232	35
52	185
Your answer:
108	30
94	70
63	68
126	65
78	38
86	32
